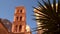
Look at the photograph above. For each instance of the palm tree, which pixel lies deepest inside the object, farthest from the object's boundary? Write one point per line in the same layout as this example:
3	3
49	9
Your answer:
49	16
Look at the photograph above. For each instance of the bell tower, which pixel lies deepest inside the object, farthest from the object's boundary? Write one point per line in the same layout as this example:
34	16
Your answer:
19	22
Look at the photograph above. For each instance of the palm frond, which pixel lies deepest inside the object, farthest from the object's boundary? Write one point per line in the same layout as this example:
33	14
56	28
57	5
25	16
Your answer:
50	15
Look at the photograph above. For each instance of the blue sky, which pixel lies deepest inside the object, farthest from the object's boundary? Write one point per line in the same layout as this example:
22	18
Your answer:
7	8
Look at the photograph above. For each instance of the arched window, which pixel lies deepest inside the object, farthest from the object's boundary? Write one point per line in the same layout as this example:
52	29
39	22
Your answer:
20	11
17	10
20	27
20	18
17	18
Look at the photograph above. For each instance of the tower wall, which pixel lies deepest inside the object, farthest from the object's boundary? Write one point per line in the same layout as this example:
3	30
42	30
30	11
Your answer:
19	22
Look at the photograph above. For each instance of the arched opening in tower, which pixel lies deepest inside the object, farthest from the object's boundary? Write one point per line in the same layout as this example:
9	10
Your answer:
20	11
17	11
20	28
20	18
17	18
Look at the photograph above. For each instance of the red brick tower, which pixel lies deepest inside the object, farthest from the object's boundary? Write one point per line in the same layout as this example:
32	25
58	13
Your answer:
19	23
